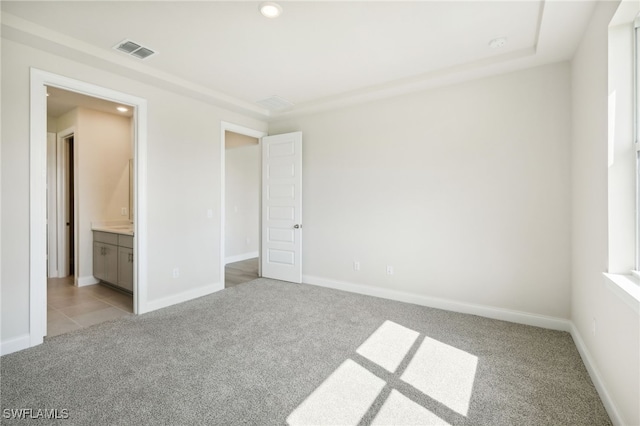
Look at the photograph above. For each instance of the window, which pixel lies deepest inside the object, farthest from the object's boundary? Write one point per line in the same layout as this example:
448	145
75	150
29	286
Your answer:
622	171
624	156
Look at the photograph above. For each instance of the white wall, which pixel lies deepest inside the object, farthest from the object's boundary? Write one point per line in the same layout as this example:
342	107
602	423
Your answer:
615	347
236	140
464	190
242	195
183	183
52	202
52	124
66	121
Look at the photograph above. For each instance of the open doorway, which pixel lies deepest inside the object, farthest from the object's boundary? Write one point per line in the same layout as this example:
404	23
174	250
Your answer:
280	223
68	187
89	185
70	204
241	204
39	82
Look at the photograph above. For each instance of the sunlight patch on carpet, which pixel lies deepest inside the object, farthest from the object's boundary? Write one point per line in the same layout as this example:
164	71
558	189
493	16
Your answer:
444	373
388	345
400	410
342	399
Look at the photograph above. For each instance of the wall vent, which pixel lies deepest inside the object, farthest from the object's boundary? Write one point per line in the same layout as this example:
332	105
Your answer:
134	49
275	103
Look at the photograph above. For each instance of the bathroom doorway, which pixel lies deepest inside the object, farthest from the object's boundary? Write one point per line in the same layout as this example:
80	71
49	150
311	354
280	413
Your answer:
89	169
40	82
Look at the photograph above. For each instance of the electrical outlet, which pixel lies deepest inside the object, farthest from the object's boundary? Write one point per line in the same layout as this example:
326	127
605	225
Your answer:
209	214
123	211
356	265
248	241
389	270
176	272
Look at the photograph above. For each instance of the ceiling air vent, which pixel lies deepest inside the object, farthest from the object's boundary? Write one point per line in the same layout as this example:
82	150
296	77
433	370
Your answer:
275	103
134	49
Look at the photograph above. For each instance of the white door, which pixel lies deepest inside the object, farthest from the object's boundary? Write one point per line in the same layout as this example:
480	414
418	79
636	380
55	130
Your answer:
281	256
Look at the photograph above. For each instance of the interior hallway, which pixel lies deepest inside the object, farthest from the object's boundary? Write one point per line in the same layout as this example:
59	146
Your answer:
71	308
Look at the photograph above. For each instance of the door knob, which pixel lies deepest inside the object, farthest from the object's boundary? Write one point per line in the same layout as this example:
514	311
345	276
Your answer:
296	226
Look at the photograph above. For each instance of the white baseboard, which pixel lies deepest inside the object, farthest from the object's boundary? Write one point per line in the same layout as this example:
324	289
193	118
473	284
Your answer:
596	378
181	297
83	281
519	317
241	257
16	344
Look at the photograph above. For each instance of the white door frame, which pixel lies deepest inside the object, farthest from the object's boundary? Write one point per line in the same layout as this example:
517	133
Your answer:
236	128
38	192
52	205
62	192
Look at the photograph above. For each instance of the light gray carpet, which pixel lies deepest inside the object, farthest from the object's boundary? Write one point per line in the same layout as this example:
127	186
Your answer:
253	353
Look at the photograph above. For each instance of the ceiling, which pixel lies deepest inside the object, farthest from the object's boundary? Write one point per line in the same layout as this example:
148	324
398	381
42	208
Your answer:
317	55
60	102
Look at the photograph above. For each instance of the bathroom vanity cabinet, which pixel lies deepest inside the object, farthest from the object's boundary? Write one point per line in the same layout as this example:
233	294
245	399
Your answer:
125	262
113	259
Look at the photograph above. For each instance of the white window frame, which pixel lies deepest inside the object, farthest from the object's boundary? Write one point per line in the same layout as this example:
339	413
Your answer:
622	281
636	106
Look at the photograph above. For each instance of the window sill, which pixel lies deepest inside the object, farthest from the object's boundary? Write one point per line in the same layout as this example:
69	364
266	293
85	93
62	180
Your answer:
626	287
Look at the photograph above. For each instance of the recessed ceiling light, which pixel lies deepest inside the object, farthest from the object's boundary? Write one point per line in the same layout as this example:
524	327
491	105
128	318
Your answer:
122	109
497	43
270	9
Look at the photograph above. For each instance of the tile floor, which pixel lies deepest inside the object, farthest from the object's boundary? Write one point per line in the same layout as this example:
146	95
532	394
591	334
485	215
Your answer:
70	308
240	272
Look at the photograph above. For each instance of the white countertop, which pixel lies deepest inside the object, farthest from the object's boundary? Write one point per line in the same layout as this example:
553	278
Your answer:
114	229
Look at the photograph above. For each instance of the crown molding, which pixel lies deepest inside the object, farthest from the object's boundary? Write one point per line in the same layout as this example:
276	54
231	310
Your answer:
34	35
550	20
